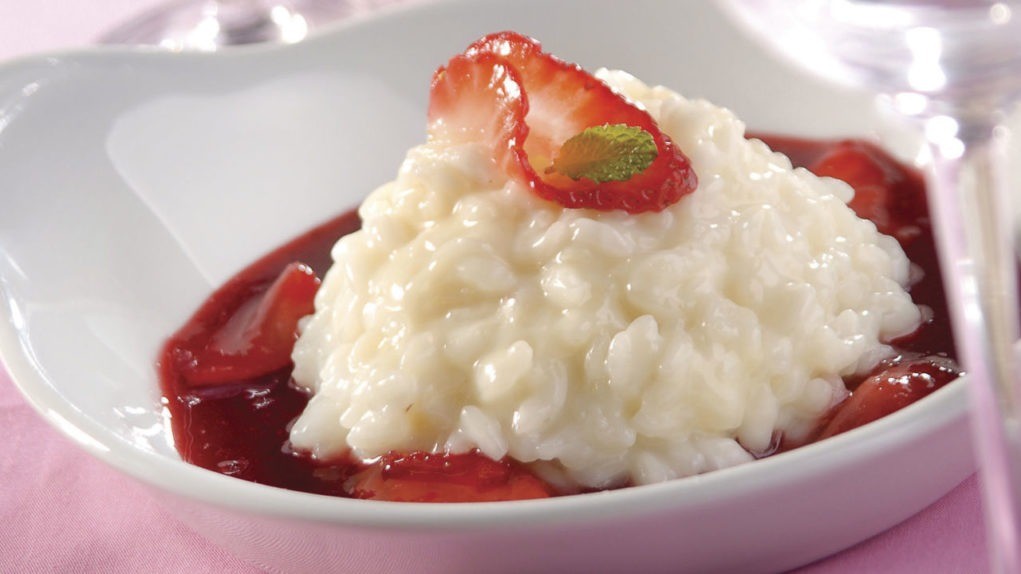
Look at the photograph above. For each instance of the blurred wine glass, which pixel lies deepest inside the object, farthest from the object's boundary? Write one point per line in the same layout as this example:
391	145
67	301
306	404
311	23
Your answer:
951	69
212	24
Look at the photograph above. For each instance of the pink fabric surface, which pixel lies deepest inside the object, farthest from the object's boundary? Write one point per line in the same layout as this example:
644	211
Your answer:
63	511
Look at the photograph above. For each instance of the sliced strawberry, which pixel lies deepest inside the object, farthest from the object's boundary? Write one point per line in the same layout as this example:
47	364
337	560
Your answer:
259	336
424	477
539	102
479	98
891	389
879	183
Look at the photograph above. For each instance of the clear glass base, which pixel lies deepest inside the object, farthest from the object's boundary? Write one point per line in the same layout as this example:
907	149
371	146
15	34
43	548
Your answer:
954	68
208	25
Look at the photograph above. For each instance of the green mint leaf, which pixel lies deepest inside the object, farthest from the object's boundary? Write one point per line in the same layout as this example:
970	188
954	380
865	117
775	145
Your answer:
606	153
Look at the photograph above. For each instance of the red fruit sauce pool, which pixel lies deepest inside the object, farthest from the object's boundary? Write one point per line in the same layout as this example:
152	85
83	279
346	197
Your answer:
238	423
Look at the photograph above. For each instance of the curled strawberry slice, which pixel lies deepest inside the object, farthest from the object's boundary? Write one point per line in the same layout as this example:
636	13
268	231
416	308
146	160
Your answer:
479	98
526	104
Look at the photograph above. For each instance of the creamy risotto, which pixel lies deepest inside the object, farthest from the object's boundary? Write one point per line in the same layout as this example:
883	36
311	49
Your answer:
601	347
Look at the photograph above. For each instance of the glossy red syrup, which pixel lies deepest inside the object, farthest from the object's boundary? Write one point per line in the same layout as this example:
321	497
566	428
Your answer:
241	428
226	376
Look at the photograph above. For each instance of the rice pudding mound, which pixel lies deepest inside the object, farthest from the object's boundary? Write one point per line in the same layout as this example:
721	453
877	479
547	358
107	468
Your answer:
600	347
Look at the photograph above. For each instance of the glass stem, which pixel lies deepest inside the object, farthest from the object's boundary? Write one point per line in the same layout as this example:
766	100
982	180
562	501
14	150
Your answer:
974	222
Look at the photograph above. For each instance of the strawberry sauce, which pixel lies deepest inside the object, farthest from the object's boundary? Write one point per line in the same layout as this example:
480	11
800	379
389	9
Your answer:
231	400
241	428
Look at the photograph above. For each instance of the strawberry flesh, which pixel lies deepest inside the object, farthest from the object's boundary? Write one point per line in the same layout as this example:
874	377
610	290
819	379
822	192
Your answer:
504	90
468	477
478	98
258	337
879	184
892	388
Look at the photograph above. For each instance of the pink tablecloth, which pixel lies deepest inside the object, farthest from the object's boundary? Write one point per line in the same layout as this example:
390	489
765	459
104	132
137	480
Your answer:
62	511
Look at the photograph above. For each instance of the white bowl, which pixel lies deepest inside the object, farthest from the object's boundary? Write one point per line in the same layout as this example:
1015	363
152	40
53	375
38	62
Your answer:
134	182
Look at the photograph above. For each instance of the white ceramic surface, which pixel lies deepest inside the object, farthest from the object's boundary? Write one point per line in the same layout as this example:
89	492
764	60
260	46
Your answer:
132	183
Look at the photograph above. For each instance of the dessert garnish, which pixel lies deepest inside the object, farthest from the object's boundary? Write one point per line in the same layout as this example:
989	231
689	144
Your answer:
569	136
605	153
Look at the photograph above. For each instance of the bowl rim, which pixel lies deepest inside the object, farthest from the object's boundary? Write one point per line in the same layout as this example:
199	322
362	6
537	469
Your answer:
944	407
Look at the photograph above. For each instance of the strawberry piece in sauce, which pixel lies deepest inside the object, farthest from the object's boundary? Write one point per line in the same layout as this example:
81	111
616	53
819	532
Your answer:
891	389
257	337
879	184
469	477
525	103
